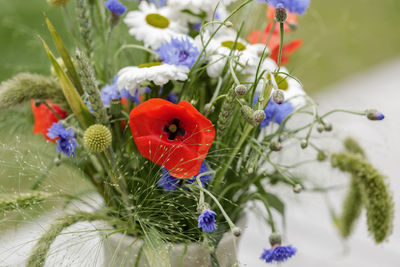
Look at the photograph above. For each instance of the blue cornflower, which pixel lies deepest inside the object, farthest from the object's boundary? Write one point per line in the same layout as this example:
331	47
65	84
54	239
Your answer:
179	52
275	112
205	179
173	98
66	142
295	6
158	3
110	92
170	183
207	221
115	7
278	254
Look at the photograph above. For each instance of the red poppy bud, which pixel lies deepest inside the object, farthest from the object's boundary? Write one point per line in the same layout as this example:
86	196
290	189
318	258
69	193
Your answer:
44	118
175	136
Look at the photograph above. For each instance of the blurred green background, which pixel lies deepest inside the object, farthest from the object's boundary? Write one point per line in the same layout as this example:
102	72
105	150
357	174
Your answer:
340	37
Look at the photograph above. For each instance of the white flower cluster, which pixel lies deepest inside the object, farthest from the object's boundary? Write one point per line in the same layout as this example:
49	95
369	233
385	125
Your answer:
155	26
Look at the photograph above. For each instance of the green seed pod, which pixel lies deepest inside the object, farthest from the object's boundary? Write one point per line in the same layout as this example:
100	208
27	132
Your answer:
352	206
57	3
25	86
97	138
374	191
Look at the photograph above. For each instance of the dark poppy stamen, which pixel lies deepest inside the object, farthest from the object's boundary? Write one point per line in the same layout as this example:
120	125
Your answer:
173	129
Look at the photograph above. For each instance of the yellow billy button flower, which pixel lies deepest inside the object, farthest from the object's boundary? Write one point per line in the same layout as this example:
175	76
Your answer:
97	138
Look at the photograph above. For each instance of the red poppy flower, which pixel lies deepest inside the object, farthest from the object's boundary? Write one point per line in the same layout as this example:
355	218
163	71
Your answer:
287	50
273	44
44	118
175	136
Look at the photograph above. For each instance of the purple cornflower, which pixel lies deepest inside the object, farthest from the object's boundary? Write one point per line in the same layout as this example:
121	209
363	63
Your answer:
66	142
207	221
170	183
278	254
295	6
115	7
179	52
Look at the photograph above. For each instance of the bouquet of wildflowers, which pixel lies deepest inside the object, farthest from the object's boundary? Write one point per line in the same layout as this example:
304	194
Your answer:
178	121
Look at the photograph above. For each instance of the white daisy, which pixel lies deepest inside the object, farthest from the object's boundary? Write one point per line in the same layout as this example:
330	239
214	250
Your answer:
132	78
292	89
198	6
247	56
154	25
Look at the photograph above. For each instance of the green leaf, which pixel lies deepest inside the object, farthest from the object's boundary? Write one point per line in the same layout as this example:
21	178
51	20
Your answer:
74	100
62	51
274	202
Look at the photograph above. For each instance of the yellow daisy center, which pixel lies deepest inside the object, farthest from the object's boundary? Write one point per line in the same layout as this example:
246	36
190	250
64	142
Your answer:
236	45
157	20
149	64
280	81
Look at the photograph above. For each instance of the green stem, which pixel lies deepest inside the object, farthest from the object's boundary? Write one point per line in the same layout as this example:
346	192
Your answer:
221	174
362	113
140	47
282	31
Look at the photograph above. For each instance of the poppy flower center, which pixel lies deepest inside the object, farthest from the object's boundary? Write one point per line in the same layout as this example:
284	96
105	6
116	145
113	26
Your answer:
157	20
174	130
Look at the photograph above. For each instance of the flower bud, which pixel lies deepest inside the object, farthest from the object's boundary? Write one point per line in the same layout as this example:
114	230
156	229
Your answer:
328	127
237	231
304	144
57	161
241	90
97	138
297	188
275	239
278	96
374	115
228	24
321	156
57	3
320	128
275	146
293	26
259	116
280	13
248	115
